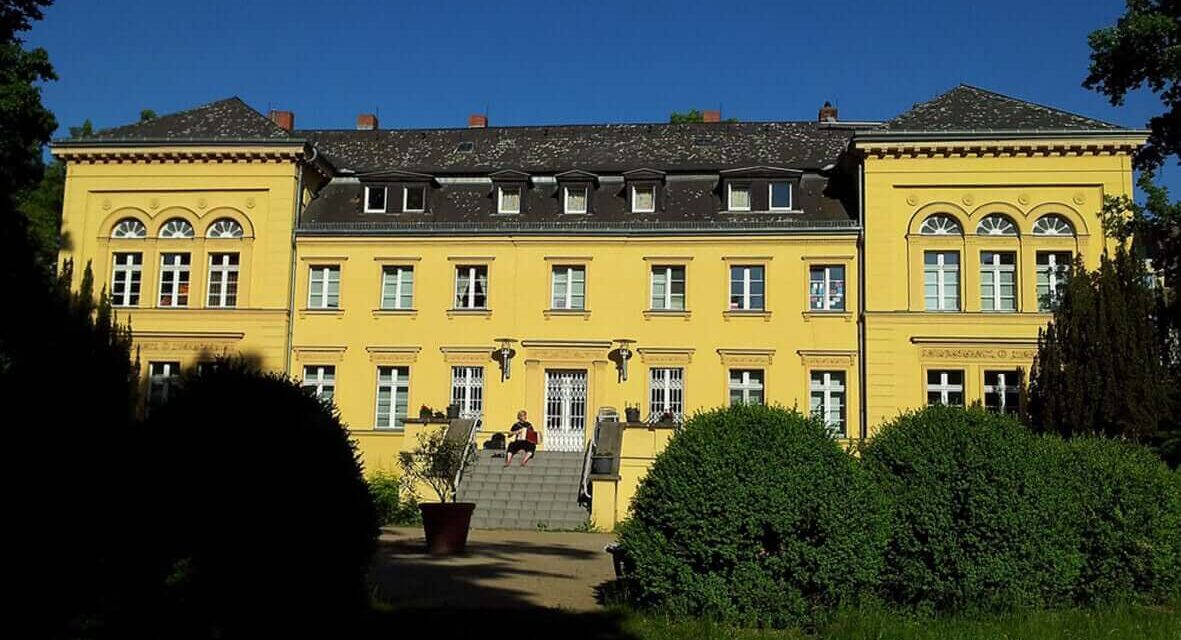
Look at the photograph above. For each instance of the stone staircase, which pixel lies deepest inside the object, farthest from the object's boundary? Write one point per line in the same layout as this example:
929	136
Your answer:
542	495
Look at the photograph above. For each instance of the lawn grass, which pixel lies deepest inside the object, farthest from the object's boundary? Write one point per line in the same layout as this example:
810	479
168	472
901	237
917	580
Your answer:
1122	623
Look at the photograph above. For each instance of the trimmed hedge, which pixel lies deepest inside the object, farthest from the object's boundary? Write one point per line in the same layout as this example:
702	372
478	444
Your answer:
753	515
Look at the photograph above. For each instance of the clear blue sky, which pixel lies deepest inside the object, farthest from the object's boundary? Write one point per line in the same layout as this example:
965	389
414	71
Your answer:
431	63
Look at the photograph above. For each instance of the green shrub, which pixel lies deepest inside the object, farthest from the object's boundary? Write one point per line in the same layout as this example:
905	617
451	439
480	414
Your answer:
752	515
1128	516
980	512
391	510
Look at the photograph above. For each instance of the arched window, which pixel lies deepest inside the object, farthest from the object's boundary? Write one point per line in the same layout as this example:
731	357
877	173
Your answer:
941	224
1053	225
129	228
225	228
176	228
996	225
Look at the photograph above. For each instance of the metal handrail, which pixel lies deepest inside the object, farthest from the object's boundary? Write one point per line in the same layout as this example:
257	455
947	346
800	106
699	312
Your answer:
471	443
584	482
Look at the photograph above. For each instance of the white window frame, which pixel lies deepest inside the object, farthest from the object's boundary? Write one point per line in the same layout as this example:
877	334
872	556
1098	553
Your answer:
406	198
399	379
225	229
945	387
320	377
996	269
129	229
130	275
385	200
669	383
472	277
942	270
566	208
771	195
746	288
1002	388
567	298
170	231
162	376
319	299
500	190
747	385
829	387
666	302
403	278
1056	276
222	275
635	206
826	295
177	274
465	380
730	197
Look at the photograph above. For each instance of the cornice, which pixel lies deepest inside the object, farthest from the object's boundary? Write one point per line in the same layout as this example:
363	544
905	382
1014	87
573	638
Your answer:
997	147
180	155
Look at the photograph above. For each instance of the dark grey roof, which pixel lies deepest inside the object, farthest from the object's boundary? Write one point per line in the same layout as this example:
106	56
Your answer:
968	108
606	148
229	119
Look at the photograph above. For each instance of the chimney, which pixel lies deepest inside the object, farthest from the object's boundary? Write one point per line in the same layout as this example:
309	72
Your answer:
285	119
367	122
477	121
711	115
828	113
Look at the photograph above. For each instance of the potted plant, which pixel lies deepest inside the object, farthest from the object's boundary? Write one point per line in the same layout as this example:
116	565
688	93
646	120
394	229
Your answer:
424	413
452	411
632	412
667	418
437	461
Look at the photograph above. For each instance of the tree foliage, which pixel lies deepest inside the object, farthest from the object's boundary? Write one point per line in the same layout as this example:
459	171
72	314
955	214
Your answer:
25	125
435	462
692	115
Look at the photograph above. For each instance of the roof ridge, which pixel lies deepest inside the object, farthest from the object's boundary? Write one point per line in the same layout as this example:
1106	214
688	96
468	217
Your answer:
586	125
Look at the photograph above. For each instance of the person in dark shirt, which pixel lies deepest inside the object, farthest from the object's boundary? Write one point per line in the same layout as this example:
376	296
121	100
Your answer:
524	437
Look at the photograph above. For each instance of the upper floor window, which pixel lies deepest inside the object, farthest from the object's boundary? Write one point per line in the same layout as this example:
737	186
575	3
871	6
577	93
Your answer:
941	280
223	280
397	287
779	195
375	199
826	288
998	281
668	288
324	286
575	199
125	279
393	397
827	399
746	386
569	287
129	228
471	287
737	197
746	288
225	228
945	387
1053	267
177	228
1053	225
320	381
941	224
174	280
414	198
996	225
643	198
508	199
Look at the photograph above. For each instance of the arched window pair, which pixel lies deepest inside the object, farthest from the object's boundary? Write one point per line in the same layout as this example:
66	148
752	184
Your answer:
177	228
941	224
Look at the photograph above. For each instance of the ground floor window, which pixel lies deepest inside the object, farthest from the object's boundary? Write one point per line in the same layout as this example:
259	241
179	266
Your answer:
320	381
666	393
746	386
945	387
162	380
393	397
467	391
1002	392
827	400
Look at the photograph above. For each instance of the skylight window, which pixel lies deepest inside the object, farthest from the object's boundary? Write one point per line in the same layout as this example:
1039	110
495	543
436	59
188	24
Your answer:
467	146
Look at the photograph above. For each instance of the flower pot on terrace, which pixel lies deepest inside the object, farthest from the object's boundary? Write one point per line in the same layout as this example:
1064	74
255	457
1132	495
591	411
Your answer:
446	526
632	414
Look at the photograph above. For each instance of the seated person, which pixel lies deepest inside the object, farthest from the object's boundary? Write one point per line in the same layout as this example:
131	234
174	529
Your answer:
525	438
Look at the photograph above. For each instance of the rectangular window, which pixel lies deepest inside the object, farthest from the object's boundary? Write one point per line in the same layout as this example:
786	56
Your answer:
826	288
827	399
780	196
666	394
746	288
569	288
1002	392
375	199
998	281
174	280
739	197
414	199
223	280
471	287
397	287
125	279
467	391
1053	267
393	397
324	287
746	386
320	381
574	199
668	288
644	198
508	200
945	387
941	280
162	380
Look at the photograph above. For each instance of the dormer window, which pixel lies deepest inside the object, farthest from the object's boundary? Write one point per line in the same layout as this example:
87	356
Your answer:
643	198
759	189
643	190
738	197
375	199
508	199
414	198
575	198
780	195
509	190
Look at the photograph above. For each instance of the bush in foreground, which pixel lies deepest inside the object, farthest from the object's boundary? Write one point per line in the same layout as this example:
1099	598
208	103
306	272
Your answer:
753	515
391	508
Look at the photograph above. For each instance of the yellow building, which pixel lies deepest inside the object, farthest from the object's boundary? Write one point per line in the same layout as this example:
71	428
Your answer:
850	269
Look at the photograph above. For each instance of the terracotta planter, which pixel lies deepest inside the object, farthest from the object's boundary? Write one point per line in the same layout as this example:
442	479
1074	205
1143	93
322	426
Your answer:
446	526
